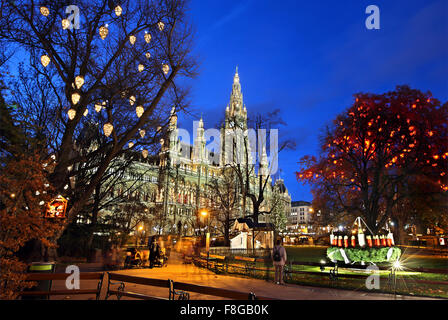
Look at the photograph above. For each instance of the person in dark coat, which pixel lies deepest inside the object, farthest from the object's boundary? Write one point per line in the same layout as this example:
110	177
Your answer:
152	251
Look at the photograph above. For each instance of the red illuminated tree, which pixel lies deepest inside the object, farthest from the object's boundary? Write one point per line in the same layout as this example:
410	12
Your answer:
375	153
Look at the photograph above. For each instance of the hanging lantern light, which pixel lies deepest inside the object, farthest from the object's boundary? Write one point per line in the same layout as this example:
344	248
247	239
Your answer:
166	68
118	11
147	37
44	11
162	142
130	144
108	127
86	112
142	133
45	60
98	107
65	24
132	100
79	81
132	39
71	114
75	97
161	25
139	110
144	153
141	68
104	31
148	55
159	128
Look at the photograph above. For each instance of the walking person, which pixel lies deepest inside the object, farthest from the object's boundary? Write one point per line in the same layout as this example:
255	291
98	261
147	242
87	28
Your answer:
279	259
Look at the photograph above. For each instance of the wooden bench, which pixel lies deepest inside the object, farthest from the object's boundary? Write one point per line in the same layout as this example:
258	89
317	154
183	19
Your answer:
63	276
249	264
217	263
121	281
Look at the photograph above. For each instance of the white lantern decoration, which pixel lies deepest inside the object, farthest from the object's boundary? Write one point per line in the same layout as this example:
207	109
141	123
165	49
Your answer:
44	11
45	60
148	55
86	112
130	144
75	97
141	68
132	39
144	153
104	31
132	100
71	114
166	68
139	110
161	25
98	107
118	11
65	24
79	81
142	133
108	127
147	37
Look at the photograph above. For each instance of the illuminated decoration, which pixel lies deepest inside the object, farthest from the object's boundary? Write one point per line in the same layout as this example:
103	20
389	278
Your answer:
142	133
161	25
144	153
132	100
98	107
147	37
104	31
139	110
65	24
71	114
45	60
75	97
44	11
118	11
132	39
86	112
130	144
56	208
166	68
108	127
148	55
141	68
79	81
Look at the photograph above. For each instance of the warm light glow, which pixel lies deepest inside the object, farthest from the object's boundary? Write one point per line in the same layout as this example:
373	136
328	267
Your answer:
79	81
132	39
75	97
142	133
104	31
204	213
141	68
86	112
139	110
44	11
98	107
65	24
397	265
140	228
130	144
45	60
148	55
132	100
118	11
108	127
166	68
71	114
144	153
161	25
147	37
13	195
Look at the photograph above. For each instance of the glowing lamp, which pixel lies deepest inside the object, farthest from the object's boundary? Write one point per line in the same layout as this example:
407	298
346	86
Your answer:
98	107
161	25
130	144
45	60
147	37
141	68
104	31
118	11
108	127
132	100
65	24
132	39
76	97
166	68
79	81
44	11
144	153
86	112
139	110
148	55
142	133
71	114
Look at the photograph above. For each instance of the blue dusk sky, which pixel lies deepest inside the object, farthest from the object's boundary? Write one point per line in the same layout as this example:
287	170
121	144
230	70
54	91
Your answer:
308	58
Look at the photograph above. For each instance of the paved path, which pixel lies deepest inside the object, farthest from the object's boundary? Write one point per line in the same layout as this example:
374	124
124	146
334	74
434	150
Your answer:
189	273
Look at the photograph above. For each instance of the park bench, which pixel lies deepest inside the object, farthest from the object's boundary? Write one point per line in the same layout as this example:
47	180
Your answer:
217	263
249	265
63	276
115	279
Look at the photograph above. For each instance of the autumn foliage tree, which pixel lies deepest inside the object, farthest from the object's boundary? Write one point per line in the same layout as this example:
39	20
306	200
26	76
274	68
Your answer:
375	154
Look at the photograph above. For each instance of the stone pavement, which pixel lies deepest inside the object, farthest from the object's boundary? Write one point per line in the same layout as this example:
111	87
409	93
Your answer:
189	273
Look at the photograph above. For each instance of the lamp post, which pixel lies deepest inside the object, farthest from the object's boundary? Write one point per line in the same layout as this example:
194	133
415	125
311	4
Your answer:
205	214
